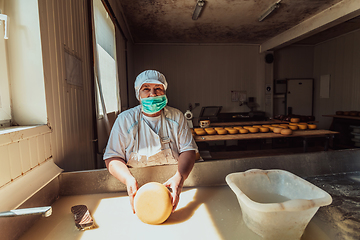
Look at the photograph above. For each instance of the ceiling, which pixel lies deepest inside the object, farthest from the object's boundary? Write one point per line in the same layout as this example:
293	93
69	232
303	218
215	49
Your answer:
222	21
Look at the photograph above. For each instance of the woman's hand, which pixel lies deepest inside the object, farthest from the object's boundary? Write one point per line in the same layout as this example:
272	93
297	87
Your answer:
117	167
175	183
132	187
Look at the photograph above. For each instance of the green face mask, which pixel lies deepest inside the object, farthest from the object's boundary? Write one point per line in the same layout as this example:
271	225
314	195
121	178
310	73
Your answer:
153	105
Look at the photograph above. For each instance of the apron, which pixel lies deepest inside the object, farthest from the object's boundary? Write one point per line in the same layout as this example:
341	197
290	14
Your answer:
151	148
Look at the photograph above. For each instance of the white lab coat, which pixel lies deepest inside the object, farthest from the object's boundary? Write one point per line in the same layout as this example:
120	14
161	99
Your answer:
132	138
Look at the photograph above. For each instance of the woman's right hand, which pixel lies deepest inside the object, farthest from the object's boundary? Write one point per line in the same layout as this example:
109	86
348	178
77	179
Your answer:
132	187
117	167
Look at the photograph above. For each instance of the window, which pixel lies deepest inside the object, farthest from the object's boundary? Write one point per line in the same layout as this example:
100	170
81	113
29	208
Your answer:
107	84
5	113
22	90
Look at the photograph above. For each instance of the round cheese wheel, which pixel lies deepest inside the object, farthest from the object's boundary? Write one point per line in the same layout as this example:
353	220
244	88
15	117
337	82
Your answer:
277	129
257	126
264	129
233	131
286	131
247	127
253	129
218	128
200	132
266	125
238	127
222	131
152	203
294	120
243	130
284	126
229	128
312	126
210	131
293	127
302	126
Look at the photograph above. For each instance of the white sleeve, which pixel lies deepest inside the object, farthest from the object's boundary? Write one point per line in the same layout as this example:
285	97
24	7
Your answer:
116	144
185	138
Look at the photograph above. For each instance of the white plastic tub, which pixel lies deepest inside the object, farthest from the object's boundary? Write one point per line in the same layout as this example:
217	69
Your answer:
276	204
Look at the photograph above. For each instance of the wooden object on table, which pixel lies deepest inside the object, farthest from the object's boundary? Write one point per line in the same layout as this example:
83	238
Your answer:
299	133
305	134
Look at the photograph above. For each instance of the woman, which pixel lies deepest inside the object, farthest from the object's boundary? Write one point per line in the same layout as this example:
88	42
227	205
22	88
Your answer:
150	134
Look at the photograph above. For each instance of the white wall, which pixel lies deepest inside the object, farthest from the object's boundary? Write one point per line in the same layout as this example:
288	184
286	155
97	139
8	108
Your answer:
291	62
205	74
294	62
339	57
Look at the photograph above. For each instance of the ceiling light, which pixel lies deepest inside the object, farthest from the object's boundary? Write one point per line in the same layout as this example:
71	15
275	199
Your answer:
270	10
198	7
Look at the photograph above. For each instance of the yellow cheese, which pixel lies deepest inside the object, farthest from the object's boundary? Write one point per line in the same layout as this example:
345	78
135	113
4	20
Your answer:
277	129
210	131
264	129
295	120
222	131
293	127
243	130
200	132
312	126
302	126
233	131
286	131
152	203
254	129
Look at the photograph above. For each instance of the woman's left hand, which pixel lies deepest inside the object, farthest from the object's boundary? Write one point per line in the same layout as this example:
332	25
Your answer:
175	183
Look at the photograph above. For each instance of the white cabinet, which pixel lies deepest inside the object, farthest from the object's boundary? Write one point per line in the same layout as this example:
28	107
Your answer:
299	97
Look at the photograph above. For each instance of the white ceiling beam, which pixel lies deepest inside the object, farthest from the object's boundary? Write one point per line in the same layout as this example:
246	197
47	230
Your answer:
338	13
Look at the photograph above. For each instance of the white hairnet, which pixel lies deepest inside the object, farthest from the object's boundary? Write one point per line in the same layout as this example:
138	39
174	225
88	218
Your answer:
149	76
